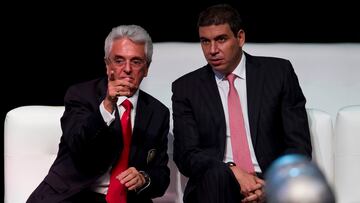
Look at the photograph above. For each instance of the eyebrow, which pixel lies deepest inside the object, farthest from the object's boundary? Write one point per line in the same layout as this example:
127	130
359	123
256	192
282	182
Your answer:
132	58
216	37
222	36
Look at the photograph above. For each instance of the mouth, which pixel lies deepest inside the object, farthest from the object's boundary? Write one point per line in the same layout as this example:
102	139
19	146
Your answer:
127	78
215	62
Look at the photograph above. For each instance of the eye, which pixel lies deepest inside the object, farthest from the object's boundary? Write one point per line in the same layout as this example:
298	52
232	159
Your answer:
119	61
137	62
204	41
221	39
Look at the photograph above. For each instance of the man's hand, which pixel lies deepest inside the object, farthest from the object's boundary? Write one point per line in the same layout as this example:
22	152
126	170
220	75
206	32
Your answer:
116	88
131	178
251	186
258	195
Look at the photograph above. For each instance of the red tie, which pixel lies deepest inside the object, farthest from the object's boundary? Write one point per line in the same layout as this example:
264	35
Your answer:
117	191
240	146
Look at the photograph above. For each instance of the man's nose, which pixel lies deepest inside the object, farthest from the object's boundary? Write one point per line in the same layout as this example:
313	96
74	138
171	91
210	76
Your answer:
213	48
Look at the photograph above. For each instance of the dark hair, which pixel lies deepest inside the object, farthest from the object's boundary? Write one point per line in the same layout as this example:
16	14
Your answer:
221	14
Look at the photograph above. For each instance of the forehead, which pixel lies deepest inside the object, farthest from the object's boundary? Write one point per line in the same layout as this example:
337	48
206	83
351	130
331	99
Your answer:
213	31
124	47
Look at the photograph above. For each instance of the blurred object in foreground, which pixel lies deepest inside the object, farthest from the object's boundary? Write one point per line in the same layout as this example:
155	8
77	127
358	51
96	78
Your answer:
295	179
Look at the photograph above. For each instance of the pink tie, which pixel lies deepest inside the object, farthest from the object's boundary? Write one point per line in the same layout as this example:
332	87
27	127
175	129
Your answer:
240	146
117	191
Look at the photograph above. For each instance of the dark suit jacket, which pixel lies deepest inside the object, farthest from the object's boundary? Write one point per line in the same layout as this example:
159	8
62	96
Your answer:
88	147
276	109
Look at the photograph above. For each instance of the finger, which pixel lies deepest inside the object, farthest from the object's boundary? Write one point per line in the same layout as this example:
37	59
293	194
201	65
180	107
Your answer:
259	180
127	178
122	176
128	85
259	194
129	82
250	198
133	183
257	186
246	190
112	76
123	92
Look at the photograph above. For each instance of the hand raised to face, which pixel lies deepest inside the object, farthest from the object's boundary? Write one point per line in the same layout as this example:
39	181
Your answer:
118	87
126	66
123	86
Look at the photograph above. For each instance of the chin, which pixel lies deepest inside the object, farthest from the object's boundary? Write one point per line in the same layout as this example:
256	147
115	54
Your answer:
219	68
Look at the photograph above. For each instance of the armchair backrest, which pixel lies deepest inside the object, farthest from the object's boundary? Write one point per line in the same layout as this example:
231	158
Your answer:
32	135
322	140
347	154
31	138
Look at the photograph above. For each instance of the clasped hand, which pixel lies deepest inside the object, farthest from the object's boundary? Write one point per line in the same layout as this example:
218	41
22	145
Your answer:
252	187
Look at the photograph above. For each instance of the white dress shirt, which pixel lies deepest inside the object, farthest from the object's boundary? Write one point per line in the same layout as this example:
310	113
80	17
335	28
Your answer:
240	85
101	185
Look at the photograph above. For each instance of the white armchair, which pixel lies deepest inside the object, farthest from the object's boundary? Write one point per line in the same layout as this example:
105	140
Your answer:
32	135
31	138
347	154
322	140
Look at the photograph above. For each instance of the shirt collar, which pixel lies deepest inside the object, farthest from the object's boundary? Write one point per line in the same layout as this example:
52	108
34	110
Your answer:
239	70
132	99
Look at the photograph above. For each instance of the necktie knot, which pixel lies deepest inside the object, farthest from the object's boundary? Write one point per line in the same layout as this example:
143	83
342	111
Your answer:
231	78
126	104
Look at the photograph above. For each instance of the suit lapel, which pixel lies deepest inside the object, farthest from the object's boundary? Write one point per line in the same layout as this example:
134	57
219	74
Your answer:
101	90
142	118
254	83
211	92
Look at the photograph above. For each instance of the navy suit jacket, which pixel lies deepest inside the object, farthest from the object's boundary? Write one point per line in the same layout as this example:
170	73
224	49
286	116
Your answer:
88	147
276	109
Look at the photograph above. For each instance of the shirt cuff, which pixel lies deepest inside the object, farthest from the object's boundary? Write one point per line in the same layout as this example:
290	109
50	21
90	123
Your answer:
108	117
147	181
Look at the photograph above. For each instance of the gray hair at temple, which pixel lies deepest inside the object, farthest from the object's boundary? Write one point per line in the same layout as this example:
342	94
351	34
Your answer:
135	33
295	179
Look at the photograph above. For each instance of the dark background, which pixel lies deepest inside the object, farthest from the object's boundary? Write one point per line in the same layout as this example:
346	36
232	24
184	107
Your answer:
49	46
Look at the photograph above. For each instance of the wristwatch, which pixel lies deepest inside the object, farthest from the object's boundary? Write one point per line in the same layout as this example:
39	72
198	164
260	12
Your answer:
230	164
146	176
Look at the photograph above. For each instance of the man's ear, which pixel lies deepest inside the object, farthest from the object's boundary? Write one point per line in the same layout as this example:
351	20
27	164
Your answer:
146	70
241	37
107	69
